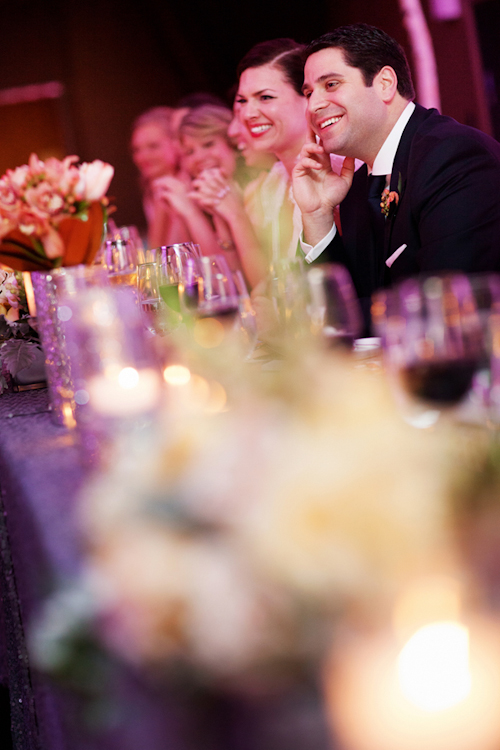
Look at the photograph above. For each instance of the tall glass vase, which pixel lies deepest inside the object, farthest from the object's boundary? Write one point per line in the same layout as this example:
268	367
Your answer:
49	287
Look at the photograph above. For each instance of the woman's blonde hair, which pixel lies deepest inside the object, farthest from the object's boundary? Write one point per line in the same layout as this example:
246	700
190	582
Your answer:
209	119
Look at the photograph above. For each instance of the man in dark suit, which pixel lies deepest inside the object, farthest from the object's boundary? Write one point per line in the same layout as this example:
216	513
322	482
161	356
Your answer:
438	181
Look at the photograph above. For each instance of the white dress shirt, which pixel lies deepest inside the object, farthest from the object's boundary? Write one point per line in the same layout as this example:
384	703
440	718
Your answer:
382	165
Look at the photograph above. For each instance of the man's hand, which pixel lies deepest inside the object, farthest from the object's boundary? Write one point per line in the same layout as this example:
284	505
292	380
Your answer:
318	189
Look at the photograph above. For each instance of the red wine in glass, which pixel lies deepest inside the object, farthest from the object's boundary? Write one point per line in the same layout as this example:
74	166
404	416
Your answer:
225	313
444	382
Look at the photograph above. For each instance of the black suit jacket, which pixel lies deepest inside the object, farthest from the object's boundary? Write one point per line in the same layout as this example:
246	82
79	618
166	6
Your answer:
447	176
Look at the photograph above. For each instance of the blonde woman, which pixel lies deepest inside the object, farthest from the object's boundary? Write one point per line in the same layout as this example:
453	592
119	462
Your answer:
210	158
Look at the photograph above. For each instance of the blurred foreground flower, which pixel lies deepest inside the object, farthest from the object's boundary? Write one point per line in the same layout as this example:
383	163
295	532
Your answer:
231	542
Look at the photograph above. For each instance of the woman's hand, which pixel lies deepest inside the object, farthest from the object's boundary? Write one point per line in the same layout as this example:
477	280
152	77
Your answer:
213	192
174	192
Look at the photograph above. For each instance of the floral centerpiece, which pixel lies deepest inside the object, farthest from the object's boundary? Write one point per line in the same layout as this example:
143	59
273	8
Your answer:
52	213
225	544
19	342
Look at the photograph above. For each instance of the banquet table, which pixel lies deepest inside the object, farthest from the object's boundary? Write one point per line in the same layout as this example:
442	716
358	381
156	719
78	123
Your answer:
41	547
40	476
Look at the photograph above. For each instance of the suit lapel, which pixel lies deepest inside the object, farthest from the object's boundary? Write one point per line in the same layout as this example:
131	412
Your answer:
399	173
355	220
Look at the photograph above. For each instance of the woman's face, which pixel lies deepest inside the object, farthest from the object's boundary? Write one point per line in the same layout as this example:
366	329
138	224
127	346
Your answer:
240	135
153	152
272	112
207	152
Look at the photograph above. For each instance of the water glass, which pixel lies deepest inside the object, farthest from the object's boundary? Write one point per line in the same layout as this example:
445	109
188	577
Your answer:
50	288
332	306
116	378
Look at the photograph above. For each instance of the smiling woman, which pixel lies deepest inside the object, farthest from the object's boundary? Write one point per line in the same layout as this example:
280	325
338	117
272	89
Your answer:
270	101
271	109
211	206
205	141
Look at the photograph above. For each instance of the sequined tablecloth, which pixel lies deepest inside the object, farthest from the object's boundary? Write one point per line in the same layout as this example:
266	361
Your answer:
40	477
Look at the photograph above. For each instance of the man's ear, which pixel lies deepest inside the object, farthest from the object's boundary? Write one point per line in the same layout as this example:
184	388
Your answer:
386	82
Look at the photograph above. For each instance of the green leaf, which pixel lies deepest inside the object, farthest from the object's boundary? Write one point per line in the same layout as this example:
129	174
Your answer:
18	354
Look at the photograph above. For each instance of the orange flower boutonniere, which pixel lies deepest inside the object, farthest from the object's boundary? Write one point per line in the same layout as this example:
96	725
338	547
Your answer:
389	201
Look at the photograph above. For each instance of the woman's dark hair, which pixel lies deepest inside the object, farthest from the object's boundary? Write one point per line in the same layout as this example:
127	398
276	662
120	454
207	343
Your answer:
368	49
285	54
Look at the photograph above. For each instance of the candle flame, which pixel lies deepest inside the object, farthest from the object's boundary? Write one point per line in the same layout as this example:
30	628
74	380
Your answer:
176	375
128	378
433	666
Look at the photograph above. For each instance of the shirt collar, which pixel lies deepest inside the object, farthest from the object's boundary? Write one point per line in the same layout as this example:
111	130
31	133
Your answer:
385	157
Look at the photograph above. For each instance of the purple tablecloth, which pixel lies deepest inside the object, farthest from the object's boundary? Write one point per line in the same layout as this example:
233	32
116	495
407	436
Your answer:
40	545
40	476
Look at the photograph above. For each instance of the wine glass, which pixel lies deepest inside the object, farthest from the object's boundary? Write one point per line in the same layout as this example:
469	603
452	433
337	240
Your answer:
486	386
289	295
178	250
247	313
333	307
150	300
433	338
217	294
188	271
120	260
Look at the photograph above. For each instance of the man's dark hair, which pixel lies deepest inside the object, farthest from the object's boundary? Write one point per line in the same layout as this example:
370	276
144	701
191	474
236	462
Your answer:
285	54
369	49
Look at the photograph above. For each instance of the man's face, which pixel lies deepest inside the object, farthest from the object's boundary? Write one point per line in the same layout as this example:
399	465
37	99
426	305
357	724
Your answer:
348	116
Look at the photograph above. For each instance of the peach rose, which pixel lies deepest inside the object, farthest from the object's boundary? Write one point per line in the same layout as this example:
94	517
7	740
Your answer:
44	198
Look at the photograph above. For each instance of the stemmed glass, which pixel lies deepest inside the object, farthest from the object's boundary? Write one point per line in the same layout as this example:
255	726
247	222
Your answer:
120	261
218	296
287	288
150	300
247	313
168	281
433	337
178	263
486	391
189	274
332	307
178	250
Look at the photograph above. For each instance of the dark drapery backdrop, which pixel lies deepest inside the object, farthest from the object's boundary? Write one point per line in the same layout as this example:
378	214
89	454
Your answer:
116	58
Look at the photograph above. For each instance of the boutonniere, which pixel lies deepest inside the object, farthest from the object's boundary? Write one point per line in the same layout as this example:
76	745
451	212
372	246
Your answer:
390	199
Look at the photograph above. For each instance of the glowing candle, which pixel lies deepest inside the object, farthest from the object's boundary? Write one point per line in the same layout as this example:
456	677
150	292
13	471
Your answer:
30	294
440	690
124	392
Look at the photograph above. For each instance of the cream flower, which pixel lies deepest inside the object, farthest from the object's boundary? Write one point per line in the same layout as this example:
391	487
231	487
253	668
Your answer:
94	180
